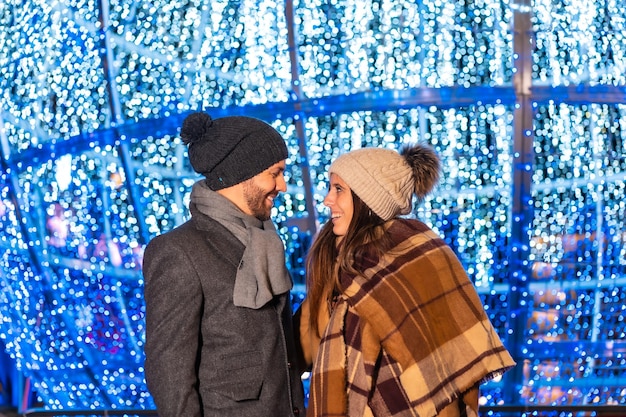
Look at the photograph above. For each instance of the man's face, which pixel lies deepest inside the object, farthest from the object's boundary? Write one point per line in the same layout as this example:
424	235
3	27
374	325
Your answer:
260	190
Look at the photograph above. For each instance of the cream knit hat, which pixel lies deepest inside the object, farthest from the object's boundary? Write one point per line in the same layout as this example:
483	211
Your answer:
386	180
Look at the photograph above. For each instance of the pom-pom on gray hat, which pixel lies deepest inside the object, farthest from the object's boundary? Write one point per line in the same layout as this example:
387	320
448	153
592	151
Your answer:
386	180
230	150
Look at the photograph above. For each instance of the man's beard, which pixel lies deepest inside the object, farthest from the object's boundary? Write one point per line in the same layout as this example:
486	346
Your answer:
256	199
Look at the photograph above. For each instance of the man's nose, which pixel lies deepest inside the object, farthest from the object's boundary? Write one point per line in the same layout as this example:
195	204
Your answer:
281	184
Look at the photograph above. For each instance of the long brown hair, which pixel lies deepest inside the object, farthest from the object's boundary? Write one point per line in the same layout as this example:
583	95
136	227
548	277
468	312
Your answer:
326	259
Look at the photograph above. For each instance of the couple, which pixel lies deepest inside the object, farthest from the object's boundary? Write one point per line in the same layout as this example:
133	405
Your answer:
391	325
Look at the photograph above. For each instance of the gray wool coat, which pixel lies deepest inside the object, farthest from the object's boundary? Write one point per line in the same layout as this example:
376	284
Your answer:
205	356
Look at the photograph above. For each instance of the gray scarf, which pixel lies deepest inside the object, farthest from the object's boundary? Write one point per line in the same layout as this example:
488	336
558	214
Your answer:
262	273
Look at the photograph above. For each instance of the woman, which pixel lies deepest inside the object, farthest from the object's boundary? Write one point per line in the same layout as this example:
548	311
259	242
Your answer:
391	323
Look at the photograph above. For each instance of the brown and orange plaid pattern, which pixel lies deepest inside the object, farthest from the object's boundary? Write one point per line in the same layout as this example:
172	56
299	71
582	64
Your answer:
409	336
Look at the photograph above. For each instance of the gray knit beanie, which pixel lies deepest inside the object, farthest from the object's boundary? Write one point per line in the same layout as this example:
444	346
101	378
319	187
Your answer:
232	149
386	180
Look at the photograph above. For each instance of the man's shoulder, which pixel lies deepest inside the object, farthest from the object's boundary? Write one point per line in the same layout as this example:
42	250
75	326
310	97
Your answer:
179	232
194	232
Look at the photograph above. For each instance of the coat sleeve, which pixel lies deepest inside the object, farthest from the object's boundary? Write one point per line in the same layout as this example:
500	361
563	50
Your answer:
303	334
309	340
173	297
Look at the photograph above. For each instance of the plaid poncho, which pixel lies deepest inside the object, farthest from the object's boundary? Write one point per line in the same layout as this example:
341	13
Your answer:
409	336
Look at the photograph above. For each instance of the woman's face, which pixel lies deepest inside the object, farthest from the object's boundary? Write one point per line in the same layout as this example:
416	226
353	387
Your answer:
339	201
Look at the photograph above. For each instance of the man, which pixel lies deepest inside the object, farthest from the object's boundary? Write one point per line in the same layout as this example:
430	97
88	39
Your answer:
219	337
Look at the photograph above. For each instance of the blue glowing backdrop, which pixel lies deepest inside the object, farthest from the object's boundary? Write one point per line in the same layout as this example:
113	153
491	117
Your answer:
525	102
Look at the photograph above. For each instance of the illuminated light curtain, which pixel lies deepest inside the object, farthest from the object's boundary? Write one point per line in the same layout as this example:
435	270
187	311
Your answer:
93	92
574	347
